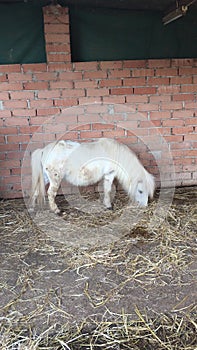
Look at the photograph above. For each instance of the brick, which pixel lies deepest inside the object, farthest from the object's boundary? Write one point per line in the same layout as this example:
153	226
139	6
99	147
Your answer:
70	76
182	62
11	86
94	118
90	134
147	107
4	96
95	75
73	93
183	97
114	99
16	121
191	121
121	91
57	28
38	76
41	103
174	138
61	84
55	128
182	130
189	88
183	114
9	130
18	138
142	72
134	64
34	67
119	73
158	81
114	133
94	108
144	90
171	105
140	81
187	70
5	114
22	95
97	92
36	85
164	130
191	105
14	77
85	66
15	104
165	72
49	94
84	127
15	155
173	122
86	84
190	137
2	139
181	80
57	38
23	112
59	66
39	120
155	63
89	99
55	47
3	78
28	129
111	65
110	82
47	111
7	68
65	102
159	98
102	126
171	89
192	153
137	99
59	57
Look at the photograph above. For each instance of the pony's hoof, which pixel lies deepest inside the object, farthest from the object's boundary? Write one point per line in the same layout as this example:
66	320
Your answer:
60	213
110	208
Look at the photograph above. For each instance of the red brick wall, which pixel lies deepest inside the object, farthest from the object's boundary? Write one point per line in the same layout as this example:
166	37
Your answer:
163	91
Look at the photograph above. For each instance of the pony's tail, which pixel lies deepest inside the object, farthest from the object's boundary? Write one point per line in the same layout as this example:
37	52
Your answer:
38	185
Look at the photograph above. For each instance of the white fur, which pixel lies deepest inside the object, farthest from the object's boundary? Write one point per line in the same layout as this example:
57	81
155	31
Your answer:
83	164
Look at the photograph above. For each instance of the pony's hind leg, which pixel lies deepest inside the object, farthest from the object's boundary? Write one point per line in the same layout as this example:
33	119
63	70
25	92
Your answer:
107	184
52	192
55	180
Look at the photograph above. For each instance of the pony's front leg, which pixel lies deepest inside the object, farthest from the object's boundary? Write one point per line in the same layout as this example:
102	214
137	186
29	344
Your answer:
107	184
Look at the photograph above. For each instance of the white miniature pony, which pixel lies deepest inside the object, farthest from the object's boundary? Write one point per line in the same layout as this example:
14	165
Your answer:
83	164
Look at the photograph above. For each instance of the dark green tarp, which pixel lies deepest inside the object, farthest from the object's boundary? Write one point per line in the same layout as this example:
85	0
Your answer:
21	34
96	34
108	34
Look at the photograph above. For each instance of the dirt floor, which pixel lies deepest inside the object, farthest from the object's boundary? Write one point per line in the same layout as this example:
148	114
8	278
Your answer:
93	281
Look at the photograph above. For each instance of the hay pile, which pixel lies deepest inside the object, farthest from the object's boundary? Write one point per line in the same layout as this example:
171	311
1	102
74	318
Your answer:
135	292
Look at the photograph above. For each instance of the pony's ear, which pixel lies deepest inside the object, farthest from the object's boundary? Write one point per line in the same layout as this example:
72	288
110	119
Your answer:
65	144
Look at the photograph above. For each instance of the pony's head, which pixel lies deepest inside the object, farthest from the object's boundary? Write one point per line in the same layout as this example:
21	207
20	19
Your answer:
144	189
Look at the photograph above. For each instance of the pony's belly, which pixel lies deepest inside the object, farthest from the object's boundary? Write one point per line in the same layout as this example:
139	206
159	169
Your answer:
83	176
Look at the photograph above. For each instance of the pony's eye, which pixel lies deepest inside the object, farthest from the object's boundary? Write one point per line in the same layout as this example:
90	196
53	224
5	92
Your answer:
140	191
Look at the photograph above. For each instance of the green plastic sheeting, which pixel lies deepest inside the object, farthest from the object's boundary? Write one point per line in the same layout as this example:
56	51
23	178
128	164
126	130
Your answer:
21	33
108	34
